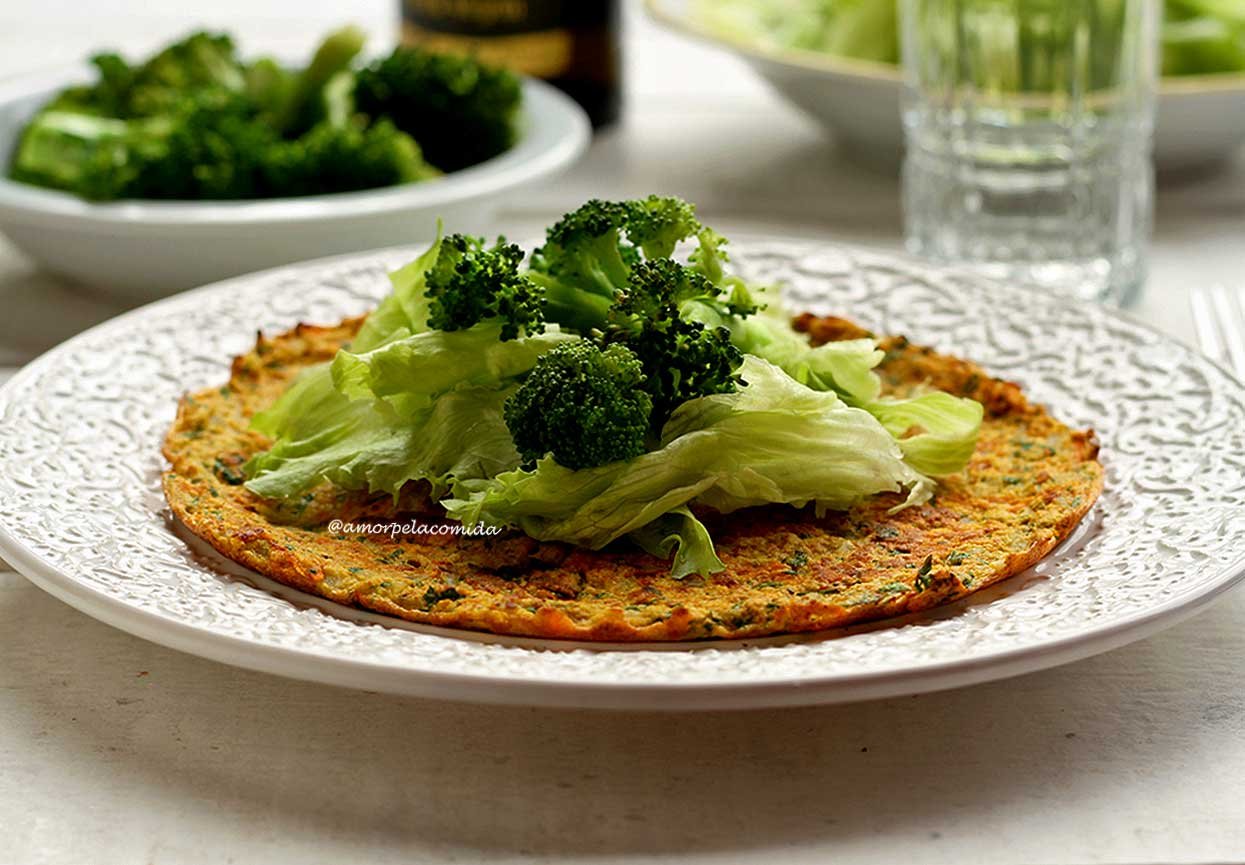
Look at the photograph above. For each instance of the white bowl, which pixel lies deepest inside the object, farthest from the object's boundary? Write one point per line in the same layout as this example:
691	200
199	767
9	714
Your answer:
1201	119
141	250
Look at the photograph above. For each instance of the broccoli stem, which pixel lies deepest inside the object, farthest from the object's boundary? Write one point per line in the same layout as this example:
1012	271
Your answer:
304	105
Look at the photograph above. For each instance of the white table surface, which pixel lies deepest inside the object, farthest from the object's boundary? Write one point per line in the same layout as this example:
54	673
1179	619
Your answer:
113	750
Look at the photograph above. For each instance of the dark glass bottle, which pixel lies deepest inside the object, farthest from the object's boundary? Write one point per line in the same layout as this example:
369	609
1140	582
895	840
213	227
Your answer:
572	44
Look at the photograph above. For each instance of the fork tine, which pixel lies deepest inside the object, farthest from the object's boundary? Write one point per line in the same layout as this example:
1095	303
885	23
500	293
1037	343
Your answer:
1231	316
1204	324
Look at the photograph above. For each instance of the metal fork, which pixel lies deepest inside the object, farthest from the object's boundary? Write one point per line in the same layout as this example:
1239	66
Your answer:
1219	319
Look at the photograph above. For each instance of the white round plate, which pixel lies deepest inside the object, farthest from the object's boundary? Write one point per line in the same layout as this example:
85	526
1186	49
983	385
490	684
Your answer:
82	515
141	250
1201	119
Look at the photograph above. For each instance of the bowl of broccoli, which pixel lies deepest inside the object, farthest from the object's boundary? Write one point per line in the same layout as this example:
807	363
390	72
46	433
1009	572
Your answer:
838	61
144	178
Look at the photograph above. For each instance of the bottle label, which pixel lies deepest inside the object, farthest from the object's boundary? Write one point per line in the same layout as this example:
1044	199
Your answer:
543	54
489	17
524	35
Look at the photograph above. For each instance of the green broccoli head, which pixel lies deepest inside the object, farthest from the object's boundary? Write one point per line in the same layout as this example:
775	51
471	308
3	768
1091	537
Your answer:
658	224
206	148
322	90
683	358
461	112
589	253
585	406
343	158
469	282
735	298
658	289
584	263
201	61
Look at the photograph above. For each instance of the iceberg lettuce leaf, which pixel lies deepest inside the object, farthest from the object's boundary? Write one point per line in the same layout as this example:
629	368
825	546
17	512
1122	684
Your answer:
368	446
426	364
936	431
774	441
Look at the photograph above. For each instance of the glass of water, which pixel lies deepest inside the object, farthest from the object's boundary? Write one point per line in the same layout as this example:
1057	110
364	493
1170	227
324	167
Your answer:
1029	127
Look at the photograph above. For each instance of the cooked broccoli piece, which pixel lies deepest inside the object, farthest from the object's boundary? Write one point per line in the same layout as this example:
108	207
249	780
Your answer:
734	297
320	89
194	123
72	151
269	85
332	158
208	149
682	358
583	405
109	96
210	152
606	271
470	282
588	254
583	265
201	61
212	149
658	224
460	111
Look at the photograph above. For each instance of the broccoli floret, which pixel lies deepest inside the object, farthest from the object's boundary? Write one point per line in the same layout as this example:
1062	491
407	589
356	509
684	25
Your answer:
735	298
583	405
202	61
59	149
269	85
461	112
211	148
331	158
682	358
322	89
208	149
657	224
583	264
470	282
660	288
589	253
110	95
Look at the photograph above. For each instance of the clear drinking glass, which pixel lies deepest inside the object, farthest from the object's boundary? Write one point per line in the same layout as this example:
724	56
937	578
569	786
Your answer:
1029	127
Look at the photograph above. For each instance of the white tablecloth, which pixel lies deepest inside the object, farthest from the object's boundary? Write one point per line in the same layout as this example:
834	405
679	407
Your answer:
113	750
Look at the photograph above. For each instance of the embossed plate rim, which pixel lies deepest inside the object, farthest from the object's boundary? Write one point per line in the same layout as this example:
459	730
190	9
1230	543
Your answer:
540	683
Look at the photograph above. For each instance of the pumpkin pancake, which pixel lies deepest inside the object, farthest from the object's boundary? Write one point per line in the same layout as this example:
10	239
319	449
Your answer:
1027	486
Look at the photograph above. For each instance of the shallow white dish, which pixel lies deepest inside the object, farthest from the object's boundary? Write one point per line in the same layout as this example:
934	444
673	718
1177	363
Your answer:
82	515
141	250
1201	119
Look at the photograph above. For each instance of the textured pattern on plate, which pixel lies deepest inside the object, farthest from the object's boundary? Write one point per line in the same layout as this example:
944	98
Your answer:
79	473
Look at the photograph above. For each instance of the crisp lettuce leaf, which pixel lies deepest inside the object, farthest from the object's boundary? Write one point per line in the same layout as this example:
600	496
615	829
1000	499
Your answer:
440	419
404	311
680	534
845	367
460	435
781	441
936	431
312	405
775	441
417	367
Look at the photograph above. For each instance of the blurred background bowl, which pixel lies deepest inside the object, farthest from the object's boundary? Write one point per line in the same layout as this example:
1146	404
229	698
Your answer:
1201	119
141	250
